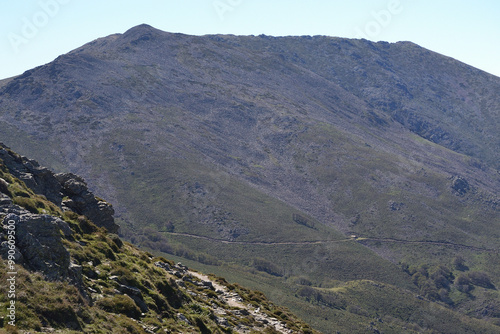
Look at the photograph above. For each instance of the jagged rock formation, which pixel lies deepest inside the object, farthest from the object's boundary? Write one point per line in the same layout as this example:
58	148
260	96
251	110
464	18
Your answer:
82	201
39	242
65	190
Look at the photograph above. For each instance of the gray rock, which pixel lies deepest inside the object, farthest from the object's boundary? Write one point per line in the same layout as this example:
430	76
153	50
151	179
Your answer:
39	241
14	209
136	296
75	276
163	265
460	185
4	249
396	206
5	200
187	279
82	201
182	317
4	186
39	179
56	186
129	290
208	284
66	230
221	321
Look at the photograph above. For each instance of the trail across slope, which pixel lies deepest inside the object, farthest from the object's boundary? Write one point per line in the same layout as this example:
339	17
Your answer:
318	242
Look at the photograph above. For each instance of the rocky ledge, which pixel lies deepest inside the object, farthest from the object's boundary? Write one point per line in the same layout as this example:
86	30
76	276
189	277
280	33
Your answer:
39	235
66	190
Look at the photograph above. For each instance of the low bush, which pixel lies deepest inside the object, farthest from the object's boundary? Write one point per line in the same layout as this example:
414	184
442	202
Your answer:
27	203
121	304
267	266
480	278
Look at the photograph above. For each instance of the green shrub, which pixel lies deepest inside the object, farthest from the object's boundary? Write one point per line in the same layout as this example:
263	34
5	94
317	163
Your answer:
267	266
308	293
116	240
480	278
103	248
303	281
86	225
21	193
301	220
201	325
463	283
26	203
126	277
168	292
60	314
459	263
122	304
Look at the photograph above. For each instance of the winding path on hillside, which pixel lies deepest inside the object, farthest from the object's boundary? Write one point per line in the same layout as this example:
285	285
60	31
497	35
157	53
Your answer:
234	300
353	239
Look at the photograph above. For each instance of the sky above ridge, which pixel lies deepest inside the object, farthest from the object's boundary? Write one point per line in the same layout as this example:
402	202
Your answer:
33	33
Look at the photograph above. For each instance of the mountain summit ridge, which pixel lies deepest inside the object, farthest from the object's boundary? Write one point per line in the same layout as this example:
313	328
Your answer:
394	62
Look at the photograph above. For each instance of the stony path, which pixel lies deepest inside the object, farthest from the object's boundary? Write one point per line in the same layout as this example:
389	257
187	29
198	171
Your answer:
234	300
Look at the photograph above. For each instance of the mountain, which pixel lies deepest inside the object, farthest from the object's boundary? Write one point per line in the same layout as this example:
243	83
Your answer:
321	171
68	273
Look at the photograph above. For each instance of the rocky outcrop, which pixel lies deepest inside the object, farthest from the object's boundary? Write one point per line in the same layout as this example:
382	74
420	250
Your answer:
38	243
460	185
66	190
39	237
39	179
136	296
79	199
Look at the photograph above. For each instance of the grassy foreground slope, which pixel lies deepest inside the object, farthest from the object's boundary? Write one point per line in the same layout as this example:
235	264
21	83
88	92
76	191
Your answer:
110	286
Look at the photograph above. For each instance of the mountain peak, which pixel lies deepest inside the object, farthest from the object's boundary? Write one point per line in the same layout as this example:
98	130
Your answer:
142	32
141	28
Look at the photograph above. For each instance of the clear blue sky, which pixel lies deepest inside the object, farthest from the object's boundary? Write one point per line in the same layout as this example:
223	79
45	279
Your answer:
35	32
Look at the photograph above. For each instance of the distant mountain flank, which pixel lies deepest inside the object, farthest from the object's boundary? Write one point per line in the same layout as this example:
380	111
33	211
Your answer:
319	170
434	96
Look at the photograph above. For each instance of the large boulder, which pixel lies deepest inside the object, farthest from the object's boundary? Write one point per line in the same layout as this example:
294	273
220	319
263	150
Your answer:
66	190
39	179
38	241
82	201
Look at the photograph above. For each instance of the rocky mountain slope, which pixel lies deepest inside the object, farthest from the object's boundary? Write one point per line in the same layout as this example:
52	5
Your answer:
321	162
72	275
